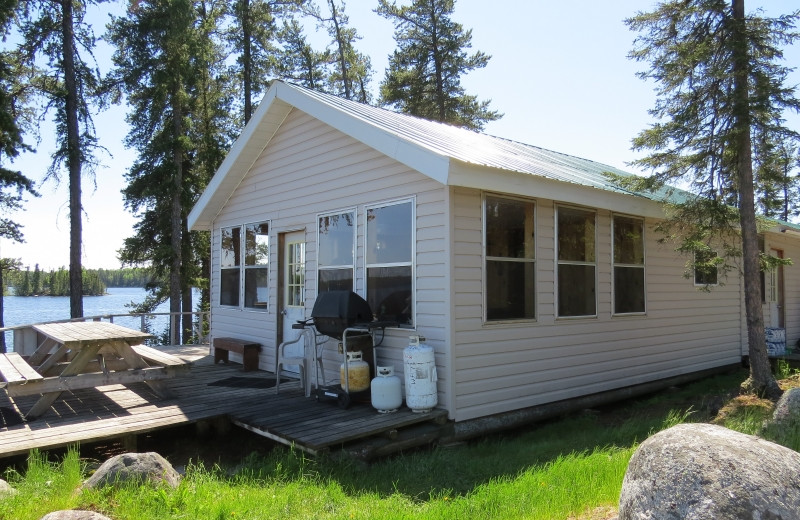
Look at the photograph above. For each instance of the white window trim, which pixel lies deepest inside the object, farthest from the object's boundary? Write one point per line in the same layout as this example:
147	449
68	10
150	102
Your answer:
643	266
534	260
558	262
354	211
413	263
242	267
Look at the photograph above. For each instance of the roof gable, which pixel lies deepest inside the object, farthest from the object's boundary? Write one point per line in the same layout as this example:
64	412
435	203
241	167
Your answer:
429	147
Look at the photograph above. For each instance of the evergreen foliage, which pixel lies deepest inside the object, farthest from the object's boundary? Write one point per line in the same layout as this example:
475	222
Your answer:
424	74
351	71
56	282
719	81
56	31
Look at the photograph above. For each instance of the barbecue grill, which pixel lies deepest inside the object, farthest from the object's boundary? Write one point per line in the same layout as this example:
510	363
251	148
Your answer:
346	316
336	311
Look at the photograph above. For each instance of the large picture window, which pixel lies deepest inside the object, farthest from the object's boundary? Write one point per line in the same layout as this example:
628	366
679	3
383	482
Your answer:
336	252
509	240
629	293
577	263
390	261
244	271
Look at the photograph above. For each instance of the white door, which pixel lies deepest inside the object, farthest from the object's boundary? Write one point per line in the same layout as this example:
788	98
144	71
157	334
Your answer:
293	290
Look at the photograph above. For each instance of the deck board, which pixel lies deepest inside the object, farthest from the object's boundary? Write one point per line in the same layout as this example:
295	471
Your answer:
100	414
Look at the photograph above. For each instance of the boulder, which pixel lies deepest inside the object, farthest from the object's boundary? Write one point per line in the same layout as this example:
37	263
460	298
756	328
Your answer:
701	471
134	467
787	411
6	489
71	514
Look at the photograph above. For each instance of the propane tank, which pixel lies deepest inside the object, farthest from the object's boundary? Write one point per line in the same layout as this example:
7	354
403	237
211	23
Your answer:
420	372
357	373
387	394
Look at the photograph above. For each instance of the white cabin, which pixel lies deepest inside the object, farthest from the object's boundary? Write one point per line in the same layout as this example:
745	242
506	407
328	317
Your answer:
533	277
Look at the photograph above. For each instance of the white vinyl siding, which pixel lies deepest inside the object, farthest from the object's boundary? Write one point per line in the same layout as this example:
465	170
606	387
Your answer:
310	169
508	366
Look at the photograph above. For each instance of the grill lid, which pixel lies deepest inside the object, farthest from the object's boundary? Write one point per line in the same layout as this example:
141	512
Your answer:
335	311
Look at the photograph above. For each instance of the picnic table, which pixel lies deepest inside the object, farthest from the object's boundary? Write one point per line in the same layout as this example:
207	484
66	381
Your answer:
86	354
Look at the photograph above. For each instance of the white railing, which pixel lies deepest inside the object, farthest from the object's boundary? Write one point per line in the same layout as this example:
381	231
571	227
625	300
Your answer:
25	340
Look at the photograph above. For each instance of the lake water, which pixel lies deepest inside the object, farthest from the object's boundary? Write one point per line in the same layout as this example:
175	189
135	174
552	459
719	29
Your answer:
22	310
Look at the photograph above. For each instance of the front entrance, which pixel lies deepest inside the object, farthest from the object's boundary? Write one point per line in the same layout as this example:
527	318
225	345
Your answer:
291	290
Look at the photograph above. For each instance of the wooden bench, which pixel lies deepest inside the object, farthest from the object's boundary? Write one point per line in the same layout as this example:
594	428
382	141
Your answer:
14	370
159	357
248	349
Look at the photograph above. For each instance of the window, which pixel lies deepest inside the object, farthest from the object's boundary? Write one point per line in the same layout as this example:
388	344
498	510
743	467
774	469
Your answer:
244	272
389	261
705	267
229	263
510	283
576	262
256	266
628	265
336	252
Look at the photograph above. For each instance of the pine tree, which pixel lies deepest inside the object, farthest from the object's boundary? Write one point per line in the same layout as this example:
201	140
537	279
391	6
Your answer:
351	71
424	74
719	82
57	32
253	34
170	64
299	62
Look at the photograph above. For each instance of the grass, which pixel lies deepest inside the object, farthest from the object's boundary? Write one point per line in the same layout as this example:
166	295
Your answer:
570	468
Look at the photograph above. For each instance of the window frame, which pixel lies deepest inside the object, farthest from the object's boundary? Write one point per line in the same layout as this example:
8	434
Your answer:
242	267
615	264
487	258
559	262
338	267
412	263
252	267
695	273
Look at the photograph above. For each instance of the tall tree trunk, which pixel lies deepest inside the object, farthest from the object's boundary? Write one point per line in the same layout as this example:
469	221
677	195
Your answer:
341	46
186	285
176	228
247	69
73	162
761	379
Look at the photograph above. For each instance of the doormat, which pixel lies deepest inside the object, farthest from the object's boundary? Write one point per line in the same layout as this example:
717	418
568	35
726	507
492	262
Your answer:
246	382
9	417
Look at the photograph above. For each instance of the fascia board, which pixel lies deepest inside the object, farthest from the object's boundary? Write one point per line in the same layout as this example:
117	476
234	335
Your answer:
256	135
412	154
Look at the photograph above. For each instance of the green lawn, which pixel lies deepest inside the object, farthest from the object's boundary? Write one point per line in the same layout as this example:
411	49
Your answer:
568	468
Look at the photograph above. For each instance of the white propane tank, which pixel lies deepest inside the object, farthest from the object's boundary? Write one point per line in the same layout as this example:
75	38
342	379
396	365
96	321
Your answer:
420	372
357	373
387	392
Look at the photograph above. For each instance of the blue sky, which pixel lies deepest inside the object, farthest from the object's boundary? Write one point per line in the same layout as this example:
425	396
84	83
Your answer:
559	73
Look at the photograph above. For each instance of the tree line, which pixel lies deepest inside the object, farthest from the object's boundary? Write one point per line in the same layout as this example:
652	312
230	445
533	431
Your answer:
36	282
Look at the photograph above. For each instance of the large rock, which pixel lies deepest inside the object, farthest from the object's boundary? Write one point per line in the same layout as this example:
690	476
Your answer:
702	471
134	467
6	489
71	514
787	411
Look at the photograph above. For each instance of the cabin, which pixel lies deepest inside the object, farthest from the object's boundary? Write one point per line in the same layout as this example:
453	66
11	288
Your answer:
534	278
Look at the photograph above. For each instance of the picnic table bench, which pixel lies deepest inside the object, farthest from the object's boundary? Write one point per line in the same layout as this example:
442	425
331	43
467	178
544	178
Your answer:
78	355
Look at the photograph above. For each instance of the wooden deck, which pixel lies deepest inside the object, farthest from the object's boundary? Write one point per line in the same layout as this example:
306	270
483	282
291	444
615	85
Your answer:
209	392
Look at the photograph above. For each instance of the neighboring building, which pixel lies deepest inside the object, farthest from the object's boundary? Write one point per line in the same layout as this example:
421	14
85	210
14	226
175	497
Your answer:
534	278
